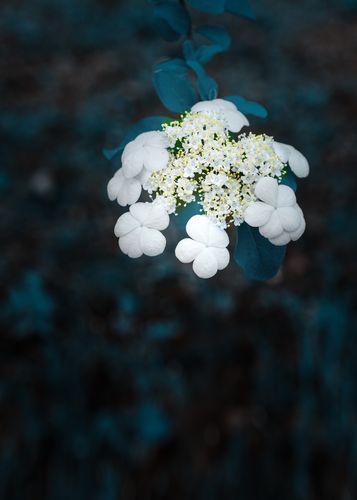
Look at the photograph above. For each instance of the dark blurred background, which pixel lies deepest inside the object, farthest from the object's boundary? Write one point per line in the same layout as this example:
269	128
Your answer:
133	379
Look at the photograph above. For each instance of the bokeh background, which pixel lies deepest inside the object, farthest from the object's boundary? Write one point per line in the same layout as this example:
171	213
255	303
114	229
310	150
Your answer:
124	379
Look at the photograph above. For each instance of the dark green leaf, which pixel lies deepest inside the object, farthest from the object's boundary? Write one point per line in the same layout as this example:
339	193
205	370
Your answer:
256	255
173	85
248	107
144	125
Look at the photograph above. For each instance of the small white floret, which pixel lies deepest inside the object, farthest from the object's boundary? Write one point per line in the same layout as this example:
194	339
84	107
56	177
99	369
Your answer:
206	247
234	118
139	230
277	216
148	150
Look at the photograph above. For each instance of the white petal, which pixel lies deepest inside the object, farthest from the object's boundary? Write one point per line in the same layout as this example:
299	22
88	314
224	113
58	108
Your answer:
152	242
267	190
130	148
133	163
155	138
258	213
143	176
187	250
282	150
198	228
205	264
114	185
141	212
217	237
225	105
235	120
273	227
286	197
222	257
289	217
295	235
155	158
158	217
125	224
129	193
203	106
130	244
214	104
298	163
281	240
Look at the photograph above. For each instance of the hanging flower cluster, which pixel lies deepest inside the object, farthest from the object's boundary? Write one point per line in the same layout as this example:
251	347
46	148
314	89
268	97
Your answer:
203	158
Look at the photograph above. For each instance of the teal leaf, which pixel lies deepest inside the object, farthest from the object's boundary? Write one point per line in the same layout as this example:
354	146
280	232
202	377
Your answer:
207	86
165	31
172	20
188	51
220	42
173	85
144	125
212	6
259	258
289	179
248	107
239	8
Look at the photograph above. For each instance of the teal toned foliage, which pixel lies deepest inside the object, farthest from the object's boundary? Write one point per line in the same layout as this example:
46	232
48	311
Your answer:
173	85
172	20
256	255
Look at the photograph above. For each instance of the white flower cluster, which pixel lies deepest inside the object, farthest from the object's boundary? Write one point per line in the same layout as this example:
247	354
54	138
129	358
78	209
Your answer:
200	158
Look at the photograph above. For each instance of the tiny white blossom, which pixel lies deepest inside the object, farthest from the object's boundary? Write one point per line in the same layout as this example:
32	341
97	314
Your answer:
148	150
235	120
139	230
277	215
297	161
206	247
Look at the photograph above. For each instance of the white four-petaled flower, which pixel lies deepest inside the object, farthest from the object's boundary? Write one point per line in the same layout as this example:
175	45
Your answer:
126	190
234	118
297	161
278	216
148	151
139	230
206	247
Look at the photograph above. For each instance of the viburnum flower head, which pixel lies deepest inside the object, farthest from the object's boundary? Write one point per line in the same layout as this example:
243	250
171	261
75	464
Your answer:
204	157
